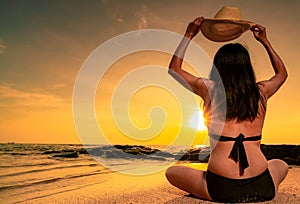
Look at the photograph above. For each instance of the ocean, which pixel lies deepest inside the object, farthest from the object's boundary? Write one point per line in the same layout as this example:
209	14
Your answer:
31	171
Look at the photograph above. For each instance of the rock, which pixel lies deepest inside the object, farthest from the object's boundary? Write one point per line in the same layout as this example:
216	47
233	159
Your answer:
114	154
290	161
190	157
82	151
295	153
181	157
118	146
294	157
132	151
276	151
136	149
148	151
195	150
17	153
164	154
51	152
194	155
96	151
298	160
289	153
107	147
67	155
68	150
125	151
204	155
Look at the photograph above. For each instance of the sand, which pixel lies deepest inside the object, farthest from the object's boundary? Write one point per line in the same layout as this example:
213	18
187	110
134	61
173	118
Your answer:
118	188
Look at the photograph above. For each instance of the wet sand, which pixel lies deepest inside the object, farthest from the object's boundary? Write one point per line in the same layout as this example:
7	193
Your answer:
118	188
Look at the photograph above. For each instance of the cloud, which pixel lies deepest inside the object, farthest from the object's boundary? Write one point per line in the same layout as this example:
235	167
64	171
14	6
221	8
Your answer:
59	85
142	24
142	14
117	18
2	48
10	96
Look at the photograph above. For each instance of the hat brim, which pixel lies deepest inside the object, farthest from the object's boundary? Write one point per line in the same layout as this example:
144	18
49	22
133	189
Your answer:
222	30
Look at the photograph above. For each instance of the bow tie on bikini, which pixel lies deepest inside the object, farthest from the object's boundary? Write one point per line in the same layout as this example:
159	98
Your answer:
238	153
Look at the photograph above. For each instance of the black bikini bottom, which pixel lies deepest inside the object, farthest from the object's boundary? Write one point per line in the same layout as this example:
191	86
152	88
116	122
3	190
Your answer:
255	189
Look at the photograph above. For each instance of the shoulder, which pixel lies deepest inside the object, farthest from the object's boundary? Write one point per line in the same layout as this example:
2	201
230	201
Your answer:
204	84
204	88
271	86
262	90
208	83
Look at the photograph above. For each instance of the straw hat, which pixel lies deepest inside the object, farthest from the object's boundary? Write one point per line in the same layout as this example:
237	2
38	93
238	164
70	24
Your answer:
226	25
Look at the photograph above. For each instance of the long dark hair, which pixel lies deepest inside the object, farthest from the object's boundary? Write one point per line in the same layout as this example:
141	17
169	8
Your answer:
232	63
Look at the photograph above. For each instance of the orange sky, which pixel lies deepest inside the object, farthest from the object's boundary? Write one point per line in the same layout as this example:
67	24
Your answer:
43	46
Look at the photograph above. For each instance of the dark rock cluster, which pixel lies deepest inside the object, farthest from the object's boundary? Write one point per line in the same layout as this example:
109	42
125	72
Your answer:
289	153
130	152
195	155
67	155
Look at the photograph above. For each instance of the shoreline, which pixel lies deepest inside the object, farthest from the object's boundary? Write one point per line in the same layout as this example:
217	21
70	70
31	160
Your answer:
155	188
70	174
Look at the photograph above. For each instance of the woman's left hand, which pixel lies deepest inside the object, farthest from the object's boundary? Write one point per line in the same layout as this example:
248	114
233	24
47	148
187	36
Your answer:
193	28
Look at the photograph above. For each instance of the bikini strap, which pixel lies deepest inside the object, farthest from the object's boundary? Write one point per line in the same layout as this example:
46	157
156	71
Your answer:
238	153
225	138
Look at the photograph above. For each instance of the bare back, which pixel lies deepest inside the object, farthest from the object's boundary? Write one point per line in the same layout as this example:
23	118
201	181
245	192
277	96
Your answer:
219	161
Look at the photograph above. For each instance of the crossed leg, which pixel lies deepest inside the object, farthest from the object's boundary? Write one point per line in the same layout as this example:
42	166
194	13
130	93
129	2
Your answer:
278	170
188	179
193	181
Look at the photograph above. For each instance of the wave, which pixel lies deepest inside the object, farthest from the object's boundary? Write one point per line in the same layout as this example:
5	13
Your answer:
58	179
27	165
47	169
60	191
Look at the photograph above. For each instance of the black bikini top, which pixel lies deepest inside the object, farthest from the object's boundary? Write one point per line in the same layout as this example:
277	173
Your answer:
238	153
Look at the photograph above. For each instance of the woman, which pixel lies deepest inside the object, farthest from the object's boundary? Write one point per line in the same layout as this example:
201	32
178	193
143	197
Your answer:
237	169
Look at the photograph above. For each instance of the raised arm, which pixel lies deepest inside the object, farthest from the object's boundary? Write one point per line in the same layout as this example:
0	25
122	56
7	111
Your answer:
175	68
269	87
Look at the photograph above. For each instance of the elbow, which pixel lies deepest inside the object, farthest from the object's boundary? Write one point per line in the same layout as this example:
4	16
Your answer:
173	70
172	67
282	73
285	75
172	73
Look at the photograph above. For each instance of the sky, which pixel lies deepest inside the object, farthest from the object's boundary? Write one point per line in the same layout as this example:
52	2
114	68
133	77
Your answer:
44	44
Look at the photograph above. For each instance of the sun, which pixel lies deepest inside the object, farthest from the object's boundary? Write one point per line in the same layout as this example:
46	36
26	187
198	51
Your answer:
197	121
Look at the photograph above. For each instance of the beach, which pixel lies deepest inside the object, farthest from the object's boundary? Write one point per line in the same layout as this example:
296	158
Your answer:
43	173
155	189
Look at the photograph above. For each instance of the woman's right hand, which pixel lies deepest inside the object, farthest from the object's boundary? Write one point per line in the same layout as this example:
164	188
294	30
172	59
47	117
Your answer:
193	28
259	33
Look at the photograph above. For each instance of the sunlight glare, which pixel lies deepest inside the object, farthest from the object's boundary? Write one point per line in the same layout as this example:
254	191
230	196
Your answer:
197	121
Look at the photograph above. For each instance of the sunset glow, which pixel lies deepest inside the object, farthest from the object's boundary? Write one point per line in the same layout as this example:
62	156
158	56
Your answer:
44	45
197	121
